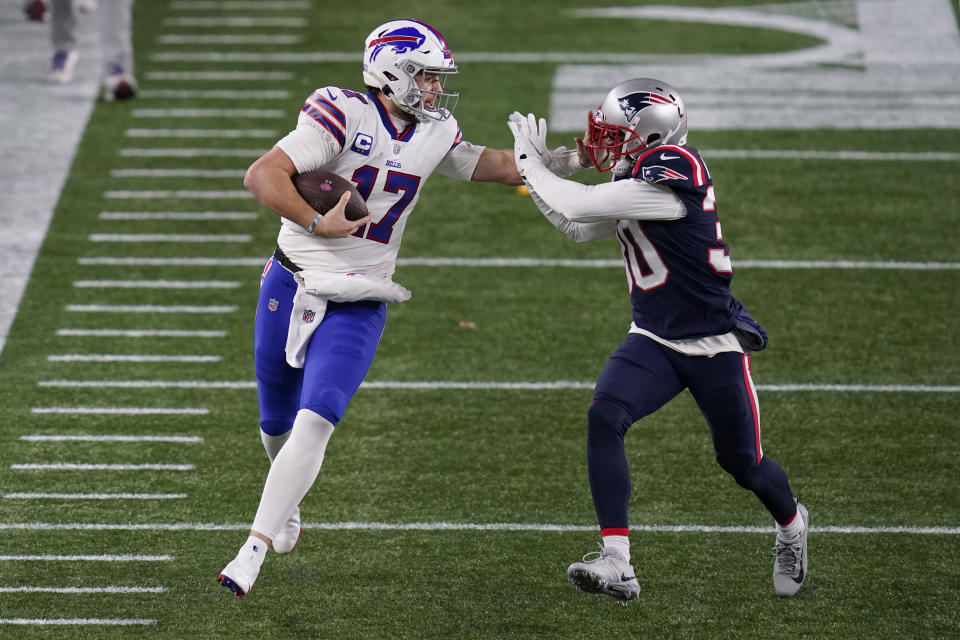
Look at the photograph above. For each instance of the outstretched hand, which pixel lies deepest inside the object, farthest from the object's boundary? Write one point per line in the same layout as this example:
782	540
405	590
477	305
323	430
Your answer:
529	137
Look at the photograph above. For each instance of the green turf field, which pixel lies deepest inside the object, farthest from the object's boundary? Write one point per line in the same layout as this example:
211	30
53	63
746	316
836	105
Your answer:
452	511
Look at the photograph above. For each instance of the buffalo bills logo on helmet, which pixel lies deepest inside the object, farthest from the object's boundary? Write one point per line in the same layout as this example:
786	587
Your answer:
632	104
401	40
657	173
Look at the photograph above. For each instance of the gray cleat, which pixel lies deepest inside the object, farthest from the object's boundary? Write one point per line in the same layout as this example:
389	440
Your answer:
790	564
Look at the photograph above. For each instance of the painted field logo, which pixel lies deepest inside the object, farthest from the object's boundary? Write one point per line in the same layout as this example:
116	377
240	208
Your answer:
309	315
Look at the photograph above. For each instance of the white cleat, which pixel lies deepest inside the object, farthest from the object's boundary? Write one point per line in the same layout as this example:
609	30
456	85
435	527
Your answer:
605	572
790	564
239	576
61	66
287	539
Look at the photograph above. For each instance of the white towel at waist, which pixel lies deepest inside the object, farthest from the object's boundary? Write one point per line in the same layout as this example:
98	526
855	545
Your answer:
315	288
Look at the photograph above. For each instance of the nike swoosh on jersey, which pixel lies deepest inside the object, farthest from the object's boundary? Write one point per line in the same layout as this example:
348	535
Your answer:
664	156
332	95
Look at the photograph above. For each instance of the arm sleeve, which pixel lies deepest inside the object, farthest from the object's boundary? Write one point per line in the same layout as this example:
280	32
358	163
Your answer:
460	161
576	231
309	146
626	199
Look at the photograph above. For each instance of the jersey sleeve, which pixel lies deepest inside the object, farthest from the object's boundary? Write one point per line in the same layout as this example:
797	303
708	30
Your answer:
620	200
576	231
461	160
321	130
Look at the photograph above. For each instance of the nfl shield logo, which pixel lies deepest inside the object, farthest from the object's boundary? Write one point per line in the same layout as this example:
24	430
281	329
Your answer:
308	315
273	304
396	149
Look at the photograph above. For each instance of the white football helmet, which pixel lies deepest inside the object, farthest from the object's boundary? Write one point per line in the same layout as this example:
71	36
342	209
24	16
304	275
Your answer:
635	115
398	56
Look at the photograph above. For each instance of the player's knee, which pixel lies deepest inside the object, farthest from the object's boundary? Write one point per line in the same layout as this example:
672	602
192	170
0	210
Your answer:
275	427
742	466
607	416
329	404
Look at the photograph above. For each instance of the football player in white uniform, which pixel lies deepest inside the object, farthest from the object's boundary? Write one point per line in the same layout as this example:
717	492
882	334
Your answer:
688	331
322	304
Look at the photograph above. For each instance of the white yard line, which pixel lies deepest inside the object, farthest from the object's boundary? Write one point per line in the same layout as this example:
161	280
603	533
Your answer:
122	411
148	308
242	5
140	333
539	262
180	194
82	466
174	262
200	133
86	558
206	76
177	215
214	38
150	384
125	357
83	590
169	237
177	173
618	263
881	156
83	622
215	94
191	153
209	113
111	438
94	496
471	526
156	284
236	21
450	385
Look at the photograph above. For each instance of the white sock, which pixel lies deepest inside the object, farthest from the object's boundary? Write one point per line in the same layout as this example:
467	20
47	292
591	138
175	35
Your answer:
292	472
792	530
273	444
254	550
620	544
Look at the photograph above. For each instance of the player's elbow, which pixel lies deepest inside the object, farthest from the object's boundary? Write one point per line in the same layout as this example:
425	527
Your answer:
252	177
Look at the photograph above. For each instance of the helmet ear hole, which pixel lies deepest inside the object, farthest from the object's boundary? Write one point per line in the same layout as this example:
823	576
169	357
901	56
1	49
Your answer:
653	137
390	76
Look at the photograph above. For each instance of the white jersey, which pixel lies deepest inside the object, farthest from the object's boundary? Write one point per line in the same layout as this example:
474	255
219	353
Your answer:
352	135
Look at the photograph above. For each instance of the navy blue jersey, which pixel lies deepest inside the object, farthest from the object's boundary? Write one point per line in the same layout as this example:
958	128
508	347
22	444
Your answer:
678	271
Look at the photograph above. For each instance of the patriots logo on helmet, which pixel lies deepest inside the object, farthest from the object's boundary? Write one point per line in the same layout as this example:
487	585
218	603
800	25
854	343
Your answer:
656	173
633	103
401	40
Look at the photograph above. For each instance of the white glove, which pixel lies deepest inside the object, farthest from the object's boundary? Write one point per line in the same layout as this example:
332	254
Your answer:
562	161
529	138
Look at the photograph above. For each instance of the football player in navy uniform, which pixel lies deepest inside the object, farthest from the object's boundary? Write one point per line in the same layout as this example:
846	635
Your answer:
323	295
688	331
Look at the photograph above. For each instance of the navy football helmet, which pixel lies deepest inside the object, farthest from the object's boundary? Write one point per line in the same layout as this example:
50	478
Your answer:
635	115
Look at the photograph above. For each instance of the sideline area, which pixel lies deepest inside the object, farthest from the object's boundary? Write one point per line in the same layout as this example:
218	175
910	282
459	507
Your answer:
40	128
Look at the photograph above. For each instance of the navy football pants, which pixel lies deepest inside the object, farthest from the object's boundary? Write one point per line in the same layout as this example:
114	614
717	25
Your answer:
337	359
643	375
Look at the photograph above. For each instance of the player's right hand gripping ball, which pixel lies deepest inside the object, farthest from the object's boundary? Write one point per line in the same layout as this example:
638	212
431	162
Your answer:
322	191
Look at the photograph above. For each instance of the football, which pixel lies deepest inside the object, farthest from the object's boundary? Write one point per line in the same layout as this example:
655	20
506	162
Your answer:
322	191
